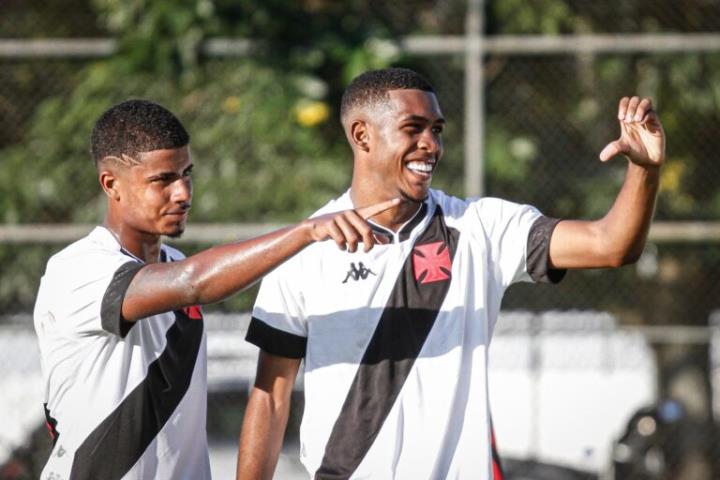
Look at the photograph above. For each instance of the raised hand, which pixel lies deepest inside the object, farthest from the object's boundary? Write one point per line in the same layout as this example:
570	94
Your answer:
642	139
349	227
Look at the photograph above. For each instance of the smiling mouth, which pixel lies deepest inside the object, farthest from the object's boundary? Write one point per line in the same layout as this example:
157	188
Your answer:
421	168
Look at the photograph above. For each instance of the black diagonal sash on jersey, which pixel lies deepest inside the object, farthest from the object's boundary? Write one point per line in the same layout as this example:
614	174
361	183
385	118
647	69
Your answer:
119	441
403	327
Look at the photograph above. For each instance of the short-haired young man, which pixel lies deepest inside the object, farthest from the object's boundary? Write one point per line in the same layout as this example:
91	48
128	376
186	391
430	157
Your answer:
121	338
396	359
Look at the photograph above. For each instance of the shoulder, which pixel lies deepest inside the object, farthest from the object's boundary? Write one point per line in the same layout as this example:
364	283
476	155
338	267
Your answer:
343	202
88	258
486	213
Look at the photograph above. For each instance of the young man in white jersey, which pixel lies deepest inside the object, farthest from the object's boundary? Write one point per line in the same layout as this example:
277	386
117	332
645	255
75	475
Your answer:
121	335
395	341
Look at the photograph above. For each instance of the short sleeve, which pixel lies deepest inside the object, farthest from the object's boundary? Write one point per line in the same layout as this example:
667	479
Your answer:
86	292
508	227
538	248
278	324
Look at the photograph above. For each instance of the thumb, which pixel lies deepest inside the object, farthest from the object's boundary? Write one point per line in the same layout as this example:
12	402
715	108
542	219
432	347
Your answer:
613	148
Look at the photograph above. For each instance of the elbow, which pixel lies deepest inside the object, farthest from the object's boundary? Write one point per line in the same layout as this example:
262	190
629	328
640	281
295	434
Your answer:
632	257
622	258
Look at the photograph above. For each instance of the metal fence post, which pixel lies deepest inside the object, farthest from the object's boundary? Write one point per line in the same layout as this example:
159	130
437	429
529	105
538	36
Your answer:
474	98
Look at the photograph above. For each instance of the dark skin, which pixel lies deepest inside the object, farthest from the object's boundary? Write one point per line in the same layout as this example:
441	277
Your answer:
396	148
151	196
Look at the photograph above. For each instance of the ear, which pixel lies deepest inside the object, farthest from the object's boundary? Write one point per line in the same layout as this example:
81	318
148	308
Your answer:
360	135
109	183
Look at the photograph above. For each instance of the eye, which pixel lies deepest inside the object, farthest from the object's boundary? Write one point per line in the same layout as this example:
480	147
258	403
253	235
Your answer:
163	178
437	129
188	171
413	128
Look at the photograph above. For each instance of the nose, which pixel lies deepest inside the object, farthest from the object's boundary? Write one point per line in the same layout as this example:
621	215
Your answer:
430	141
182	190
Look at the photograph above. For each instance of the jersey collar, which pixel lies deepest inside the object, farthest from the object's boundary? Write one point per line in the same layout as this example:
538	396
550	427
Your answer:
410	229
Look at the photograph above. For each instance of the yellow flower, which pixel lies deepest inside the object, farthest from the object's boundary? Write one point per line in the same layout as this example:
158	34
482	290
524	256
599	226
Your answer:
309	114
231	104
671	176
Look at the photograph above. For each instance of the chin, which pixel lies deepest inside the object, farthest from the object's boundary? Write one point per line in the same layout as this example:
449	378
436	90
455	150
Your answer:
175	232
415	197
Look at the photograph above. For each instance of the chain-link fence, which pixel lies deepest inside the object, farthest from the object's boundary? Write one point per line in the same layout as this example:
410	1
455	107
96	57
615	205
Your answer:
547	115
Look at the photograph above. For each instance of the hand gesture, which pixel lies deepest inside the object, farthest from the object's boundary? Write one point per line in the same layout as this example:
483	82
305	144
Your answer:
642	139
349	227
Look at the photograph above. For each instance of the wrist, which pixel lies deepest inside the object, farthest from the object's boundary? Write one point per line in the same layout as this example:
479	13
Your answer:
308	229
649	172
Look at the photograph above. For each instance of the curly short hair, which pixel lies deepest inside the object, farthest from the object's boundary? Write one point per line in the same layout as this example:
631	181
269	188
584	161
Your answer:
372	87
135	126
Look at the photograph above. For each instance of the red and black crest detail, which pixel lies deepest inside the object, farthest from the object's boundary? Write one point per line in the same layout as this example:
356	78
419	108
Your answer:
193	313
431	262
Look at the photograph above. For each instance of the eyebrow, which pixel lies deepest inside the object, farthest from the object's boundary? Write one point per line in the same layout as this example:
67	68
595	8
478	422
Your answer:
418	118
169	173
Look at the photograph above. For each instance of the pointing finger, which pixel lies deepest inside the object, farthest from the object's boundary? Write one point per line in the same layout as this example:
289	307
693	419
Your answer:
372	210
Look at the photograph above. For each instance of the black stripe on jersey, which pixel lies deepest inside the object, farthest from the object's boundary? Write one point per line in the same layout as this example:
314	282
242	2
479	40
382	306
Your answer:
275	341
406	230
120	440
538	251
401	332
111	307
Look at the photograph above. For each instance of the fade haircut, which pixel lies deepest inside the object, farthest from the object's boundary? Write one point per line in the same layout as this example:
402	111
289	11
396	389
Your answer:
135	126
371	88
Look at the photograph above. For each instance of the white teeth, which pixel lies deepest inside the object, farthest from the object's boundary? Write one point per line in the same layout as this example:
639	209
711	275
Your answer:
420	167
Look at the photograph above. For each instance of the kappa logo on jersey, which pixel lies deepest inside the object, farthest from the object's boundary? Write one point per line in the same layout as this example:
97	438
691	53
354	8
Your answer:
194	312
358	273
431	262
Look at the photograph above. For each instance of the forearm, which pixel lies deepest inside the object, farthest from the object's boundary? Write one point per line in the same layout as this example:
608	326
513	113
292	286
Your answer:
625	227
616	239
265	420
213	274
220	271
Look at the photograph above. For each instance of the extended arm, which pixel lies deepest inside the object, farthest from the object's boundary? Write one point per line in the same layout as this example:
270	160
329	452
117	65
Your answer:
266	417
619	237
218	272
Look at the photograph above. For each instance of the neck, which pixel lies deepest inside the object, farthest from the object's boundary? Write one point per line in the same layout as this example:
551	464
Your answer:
145	246
393	218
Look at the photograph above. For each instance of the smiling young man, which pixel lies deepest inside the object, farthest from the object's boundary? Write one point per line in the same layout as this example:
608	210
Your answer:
396	361
121	337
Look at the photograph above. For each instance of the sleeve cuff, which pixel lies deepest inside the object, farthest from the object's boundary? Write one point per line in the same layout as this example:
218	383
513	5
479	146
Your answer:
111	309
538	248
275	341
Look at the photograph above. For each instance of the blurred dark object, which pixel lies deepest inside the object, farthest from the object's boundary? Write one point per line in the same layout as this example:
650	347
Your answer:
662	442
533	470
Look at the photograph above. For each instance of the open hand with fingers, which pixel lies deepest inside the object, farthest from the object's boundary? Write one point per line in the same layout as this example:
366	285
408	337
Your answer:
642	139
349	227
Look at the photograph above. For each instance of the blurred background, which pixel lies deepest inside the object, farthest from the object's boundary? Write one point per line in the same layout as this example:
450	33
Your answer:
610	375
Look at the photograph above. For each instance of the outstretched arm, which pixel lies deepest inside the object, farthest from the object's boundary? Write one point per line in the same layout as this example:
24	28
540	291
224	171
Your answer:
218	272
619	237
266	417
